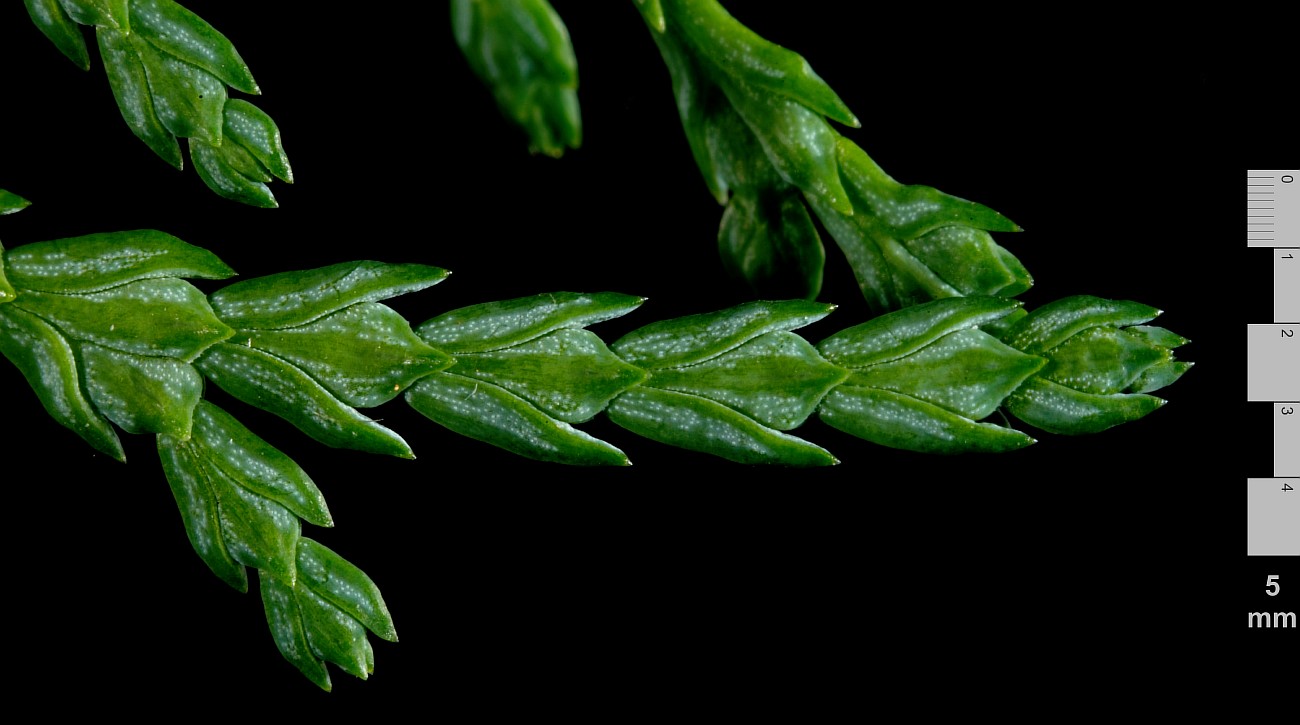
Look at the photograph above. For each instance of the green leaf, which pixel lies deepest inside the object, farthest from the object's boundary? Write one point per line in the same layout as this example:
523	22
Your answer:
345	586
1159	375
187	99
47	361
233	173
142	394
332	634
1102	360
179	32
696	338
770	242
502	324
53	21
521	49
777	379
267	382
899	421
697	424
735	50
248	126
256	465
97	262
258	532
130	84
188	479
901	333
568	374
152	317
10	203
365	354
699	102
7	291
653	13
798	142
910	244
485	412
289	299
967	372
106	13
1055	322
285	620
909	211
967	261
1058	409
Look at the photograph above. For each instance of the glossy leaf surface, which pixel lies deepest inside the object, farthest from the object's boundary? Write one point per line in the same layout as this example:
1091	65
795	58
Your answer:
695	338
53	21
698	424
49	364
296	298
345	586
497	325
365	354
180	33
486	412
522	50
130	84
267	382
901	421
777	379
256	465
197	501
97	262
568	374
142	394
166	317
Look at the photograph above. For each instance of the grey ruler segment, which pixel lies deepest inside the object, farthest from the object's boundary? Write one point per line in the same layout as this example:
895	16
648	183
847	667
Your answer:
1286	285
1273	208
1272	362
1273	517
1286	440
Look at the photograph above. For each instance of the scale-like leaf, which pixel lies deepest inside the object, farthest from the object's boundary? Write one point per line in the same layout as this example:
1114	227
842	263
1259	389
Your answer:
289	299
231	172
485	412
365	354
250	127
152	317
569	374
130	84
53	21
179	32
345	586
285	620
142	394
188	478
695	338
698	424
96	262
777	379
267	382
256	465
48	363
497	325
187	99
900	421
967	372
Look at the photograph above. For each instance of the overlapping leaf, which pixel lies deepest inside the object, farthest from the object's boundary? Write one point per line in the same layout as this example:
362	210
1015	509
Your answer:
169	71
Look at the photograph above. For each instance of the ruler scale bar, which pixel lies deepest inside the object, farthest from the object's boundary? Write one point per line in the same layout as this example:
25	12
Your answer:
1276	191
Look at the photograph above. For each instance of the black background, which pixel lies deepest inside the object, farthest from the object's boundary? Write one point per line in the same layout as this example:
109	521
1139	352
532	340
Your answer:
515	584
